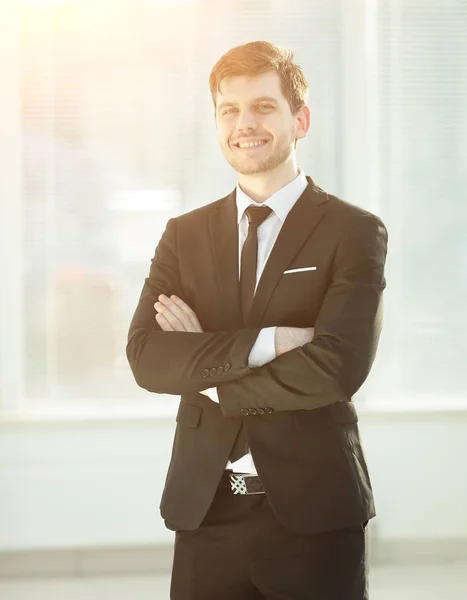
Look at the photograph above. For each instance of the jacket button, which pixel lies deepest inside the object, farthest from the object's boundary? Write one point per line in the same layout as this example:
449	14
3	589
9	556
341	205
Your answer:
252	411
227	367
260	411
213	371
244	411
205	372
268	409
220	370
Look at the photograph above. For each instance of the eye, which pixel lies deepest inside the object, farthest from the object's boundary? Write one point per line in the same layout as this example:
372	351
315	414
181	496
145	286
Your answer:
264	106
228	111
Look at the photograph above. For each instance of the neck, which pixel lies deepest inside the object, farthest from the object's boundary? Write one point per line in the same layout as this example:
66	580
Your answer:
261	186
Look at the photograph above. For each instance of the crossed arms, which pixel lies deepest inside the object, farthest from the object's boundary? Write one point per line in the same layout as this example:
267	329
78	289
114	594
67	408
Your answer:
173	314
329	368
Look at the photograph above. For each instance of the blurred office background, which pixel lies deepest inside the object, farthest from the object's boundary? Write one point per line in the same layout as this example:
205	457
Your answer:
107	131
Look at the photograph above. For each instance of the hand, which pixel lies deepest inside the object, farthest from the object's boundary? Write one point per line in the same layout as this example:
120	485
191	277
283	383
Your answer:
172	314
289	338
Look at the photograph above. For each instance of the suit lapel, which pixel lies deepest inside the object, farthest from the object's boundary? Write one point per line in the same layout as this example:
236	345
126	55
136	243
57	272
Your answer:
223	230
300	222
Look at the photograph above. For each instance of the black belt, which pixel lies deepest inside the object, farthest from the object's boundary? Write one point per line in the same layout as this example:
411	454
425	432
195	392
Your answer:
241	483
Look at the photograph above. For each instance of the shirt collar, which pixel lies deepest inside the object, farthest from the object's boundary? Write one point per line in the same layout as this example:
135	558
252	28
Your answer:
281	202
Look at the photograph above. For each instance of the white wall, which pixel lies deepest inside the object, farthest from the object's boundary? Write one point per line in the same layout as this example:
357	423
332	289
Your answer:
94	483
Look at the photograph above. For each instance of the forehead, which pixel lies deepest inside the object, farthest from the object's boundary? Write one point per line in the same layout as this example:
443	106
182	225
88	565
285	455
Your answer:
239	88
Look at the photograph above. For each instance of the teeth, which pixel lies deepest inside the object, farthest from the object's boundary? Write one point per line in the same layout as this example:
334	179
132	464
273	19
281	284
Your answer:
251	144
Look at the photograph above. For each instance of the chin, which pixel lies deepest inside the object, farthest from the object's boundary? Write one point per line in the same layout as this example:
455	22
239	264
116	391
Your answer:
250	169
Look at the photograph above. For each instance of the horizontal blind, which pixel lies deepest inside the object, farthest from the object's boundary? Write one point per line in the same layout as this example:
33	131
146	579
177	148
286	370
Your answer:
106	139
422	143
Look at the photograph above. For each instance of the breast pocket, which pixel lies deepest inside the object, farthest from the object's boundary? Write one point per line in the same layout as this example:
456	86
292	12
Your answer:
298	296
301	280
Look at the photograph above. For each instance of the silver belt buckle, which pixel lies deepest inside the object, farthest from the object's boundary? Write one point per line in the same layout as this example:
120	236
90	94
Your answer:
238	484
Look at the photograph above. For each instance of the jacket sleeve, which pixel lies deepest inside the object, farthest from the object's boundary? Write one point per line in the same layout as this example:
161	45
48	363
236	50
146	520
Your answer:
172	362
334	365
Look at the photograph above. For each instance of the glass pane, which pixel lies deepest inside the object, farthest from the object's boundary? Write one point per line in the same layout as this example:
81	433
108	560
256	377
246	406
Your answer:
422	140
103	129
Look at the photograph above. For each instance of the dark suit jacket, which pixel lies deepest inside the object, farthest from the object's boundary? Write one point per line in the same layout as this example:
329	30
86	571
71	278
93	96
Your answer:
306	445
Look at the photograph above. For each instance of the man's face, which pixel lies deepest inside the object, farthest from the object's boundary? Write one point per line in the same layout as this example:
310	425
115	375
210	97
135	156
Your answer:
254	111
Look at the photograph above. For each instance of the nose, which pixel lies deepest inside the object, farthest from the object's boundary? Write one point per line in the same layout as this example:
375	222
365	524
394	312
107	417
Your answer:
245	121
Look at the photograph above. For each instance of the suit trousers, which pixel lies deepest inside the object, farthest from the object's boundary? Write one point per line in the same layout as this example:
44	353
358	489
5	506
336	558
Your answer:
242	552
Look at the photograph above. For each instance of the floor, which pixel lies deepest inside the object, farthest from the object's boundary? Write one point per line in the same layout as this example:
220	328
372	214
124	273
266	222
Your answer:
430	582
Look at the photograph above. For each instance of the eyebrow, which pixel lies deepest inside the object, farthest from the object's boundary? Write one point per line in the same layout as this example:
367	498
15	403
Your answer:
255	101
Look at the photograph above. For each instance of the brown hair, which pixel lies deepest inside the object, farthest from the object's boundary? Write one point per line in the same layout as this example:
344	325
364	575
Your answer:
256	58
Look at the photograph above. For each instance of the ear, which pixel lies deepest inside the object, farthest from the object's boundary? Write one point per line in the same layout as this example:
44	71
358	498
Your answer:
302	123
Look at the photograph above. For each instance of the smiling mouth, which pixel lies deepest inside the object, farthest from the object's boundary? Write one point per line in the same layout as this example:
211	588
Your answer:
245	146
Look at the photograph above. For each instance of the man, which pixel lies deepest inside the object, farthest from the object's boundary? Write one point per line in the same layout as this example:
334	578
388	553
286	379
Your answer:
263	311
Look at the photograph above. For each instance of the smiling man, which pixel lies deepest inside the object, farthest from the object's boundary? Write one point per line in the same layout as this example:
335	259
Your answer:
258	128
253	150
263	310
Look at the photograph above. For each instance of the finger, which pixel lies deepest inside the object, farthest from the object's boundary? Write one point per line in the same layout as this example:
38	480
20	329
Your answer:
163	323
189	311
178	312
169	316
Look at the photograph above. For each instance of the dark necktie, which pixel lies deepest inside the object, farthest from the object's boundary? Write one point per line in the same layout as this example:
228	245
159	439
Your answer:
256	215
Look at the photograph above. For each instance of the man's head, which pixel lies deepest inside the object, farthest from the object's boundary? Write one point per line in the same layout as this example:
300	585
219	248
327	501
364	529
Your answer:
259	96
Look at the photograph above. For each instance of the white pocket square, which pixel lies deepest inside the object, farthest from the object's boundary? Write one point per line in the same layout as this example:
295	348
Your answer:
298	270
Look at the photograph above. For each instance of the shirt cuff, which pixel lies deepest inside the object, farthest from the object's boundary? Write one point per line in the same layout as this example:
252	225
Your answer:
264	349
211	393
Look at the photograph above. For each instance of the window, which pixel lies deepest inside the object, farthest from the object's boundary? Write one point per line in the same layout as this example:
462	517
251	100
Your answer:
115	135
421	163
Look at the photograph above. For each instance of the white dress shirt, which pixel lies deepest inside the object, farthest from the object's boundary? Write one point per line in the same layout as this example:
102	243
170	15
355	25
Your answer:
263	351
